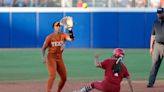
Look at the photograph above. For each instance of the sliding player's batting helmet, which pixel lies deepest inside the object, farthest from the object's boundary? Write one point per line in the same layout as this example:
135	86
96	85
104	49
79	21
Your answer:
118	52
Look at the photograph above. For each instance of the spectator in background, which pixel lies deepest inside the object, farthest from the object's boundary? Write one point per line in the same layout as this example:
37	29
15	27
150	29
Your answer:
66	3
109	3
154	3
33	3
124	3
39	3
79	3
8	3
112	3
43	3
140	3
1	3
162	3
26	2
55	3
21	3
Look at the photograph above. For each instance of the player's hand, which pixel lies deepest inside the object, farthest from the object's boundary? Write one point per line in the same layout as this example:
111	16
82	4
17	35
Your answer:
43	60
151	51
97	56
70	28
97	64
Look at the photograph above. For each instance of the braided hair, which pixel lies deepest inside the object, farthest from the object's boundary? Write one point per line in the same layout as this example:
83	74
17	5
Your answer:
117	67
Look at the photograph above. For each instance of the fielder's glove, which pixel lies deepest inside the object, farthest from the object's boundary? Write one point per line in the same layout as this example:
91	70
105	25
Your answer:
67	22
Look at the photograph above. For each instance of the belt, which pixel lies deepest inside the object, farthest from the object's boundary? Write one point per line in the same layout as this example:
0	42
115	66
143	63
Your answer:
162	43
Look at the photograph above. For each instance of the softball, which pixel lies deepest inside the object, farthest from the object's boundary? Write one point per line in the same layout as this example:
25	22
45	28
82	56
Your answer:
85	5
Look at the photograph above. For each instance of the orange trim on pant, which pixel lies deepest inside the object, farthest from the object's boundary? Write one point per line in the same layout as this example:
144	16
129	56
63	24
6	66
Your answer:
56	65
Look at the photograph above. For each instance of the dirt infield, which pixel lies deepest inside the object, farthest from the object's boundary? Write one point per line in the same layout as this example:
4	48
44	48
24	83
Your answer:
139	86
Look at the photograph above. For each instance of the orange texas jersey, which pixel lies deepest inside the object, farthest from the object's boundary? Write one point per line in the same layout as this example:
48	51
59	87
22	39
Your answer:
55	42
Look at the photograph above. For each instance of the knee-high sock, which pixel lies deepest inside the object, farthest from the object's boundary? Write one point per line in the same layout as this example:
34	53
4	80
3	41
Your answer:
86	88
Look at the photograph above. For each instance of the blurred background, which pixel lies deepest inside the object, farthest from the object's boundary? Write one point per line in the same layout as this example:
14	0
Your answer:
76	3
103	24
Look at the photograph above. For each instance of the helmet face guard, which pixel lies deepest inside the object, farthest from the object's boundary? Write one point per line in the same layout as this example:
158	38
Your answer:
118	52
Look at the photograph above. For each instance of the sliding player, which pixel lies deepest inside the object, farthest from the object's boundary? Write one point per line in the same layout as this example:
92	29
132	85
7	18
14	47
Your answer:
115	71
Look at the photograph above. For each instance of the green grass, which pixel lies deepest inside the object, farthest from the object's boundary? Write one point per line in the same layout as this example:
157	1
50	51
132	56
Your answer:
26	64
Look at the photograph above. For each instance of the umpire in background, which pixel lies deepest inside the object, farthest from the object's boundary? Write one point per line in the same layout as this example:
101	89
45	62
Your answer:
156	46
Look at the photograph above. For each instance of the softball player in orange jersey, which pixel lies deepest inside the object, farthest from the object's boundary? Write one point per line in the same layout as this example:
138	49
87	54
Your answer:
54	42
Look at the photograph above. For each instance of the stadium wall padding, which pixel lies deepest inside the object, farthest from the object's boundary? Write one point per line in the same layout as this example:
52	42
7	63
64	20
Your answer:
91	29
23	30
4	30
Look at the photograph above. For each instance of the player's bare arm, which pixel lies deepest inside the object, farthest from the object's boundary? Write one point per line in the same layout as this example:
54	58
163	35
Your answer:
97	63
45	46
43	54
152	43
130	83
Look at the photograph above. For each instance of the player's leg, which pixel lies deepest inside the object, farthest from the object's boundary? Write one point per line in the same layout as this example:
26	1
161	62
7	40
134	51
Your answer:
61	69
51	65
85	89
156	62
105	86
99	85
94	85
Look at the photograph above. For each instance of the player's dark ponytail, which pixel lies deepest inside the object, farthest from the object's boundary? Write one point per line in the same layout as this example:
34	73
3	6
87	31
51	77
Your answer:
53	24
117	67
58	24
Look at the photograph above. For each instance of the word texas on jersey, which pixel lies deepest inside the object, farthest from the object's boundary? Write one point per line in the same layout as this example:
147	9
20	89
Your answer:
57	43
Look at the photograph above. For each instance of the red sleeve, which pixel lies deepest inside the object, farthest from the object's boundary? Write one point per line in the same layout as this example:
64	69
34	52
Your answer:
126	73
105	64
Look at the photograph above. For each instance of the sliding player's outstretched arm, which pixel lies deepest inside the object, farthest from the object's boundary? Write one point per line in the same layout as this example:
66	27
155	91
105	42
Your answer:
97	63
130	83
